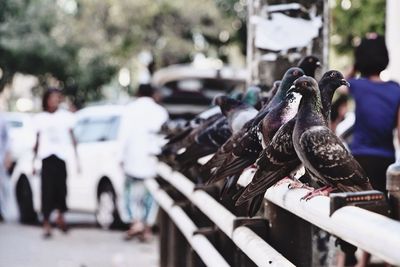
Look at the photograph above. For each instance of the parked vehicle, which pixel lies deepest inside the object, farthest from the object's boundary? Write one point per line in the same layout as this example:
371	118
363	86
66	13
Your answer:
21	133
187	90
99	186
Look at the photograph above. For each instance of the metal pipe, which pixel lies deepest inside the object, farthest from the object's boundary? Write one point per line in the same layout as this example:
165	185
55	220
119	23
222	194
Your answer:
257	249
223	218
203	247
367	230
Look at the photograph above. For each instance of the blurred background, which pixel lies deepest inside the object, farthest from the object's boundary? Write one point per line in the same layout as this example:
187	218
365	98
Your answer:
99	52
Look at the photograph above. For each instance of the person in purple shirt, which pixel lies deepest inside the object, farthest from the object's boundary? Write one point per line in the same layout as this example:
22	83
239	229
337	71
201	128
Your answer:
377	110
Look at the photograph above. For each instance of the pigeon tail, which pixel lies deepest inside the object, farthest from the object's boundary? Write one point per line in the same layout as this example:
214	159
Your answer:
234	167
194	152
229	184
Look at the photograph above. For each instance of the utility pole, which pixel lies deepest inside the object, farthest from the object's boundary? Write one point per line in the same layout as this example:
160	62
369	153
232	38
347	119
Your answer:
265	61
393	38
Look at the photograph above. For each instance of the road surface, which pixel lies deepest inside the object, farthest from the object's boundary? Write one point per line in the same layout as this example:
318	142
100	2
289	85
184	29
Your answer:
83	246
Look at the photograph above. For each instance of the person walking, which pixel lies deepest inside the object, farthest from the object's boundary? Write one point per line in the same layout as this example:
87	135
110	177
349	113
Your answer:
143	119
54	138
377	110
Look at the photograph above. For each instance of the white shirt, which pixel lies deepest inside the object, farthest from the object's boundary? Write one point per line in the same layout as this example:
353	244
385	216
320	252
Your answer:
142	121
4	140
54	133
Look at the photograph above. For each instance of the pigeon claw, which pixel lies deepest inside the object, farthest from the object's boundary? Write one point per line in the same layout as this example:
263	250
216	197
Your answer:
284	181
297	184
323	191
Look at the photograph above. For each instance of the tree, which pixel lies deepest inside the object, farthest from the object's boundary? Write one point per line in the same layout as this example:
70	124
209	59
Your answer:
82	43
352	19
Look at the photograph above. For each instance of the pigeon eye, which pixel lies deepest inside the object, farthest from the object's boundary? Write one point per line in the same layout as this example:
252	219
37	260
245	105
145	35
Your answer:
333	75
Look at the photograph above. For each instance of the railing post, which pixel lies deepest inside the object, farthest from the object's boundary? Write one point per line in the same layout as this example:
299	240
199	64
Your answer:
393	188
177	247
226	247
163	225
258	226
241	260
193	260
290	235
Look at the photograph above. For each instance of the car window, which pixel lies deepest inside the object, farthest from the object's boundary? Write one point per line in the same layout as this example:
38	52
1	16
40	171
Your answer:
97	129
14	123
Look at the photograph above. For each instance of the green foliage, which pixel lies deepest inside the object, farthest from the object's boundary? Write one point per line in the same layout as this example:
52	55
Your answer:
84	45
352	19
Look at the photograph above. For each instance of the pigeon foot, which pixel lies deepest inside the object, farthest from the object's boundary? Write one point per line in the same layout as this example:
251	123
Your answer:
297	184
284	181
323	191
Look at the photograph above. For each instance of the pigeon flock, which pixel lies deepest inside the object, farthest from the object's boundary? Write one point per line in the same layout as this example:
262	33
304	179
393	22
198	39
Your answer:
276	133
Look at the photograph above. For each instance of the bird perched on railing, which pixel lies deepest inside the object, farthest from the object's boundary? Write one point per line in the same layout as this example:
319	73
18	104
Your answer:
321	152
234	113
217	159
242	149
246	145
309	64
279	158
185	137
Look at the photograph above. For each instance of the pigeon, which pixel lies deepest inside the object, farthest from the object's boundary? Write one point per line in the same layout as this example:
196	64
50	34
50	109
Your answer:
187	136
206	142
265	100
246	146
279	159
309	64
234	168
321	152
235	114
218	158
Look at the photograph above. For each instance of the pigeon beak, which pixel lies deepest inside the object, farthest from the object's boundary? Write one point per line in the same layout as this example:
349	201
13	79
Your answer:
318	64
344	82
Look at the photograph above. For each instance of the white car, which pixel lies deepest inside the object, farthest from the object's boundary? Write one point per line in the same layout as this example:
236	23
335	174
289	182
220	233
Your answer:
99	187
21	133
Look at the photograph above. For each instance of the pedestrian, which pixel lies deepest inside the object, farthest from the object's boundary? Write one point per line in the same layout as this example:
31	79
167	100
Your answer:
377	112
5	163
54	138
142	119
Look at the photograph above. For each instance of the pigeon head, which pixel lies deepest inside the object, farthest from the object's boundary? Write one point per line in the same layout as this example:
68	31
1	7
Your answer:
226	103
292	73
289	77
275	87
309	64
330	81
252	95
305	86
333	79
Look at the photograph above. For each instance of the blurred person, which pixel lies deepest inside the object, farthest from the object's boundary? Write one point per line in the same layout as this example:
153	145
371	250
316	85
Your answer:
338	111
5	164
54	137
143	119
377	111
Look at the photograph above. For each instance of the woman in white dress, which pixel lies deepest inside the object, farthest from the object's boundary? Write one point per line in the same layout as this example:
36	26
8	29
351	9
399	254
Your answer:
54	137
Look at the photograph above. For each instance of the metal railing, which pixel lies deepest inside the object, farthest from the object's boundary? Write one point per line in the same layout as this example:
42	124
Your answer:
289	225
245	240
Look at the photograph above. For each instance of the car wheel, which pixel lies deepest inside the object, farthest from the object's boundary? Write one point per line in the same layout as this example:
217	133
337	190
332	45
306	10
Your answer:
24	195
107	216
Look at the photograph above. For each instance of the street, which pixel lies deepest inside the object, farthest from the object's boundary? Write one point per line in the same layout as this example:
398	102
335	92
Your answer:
83	246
